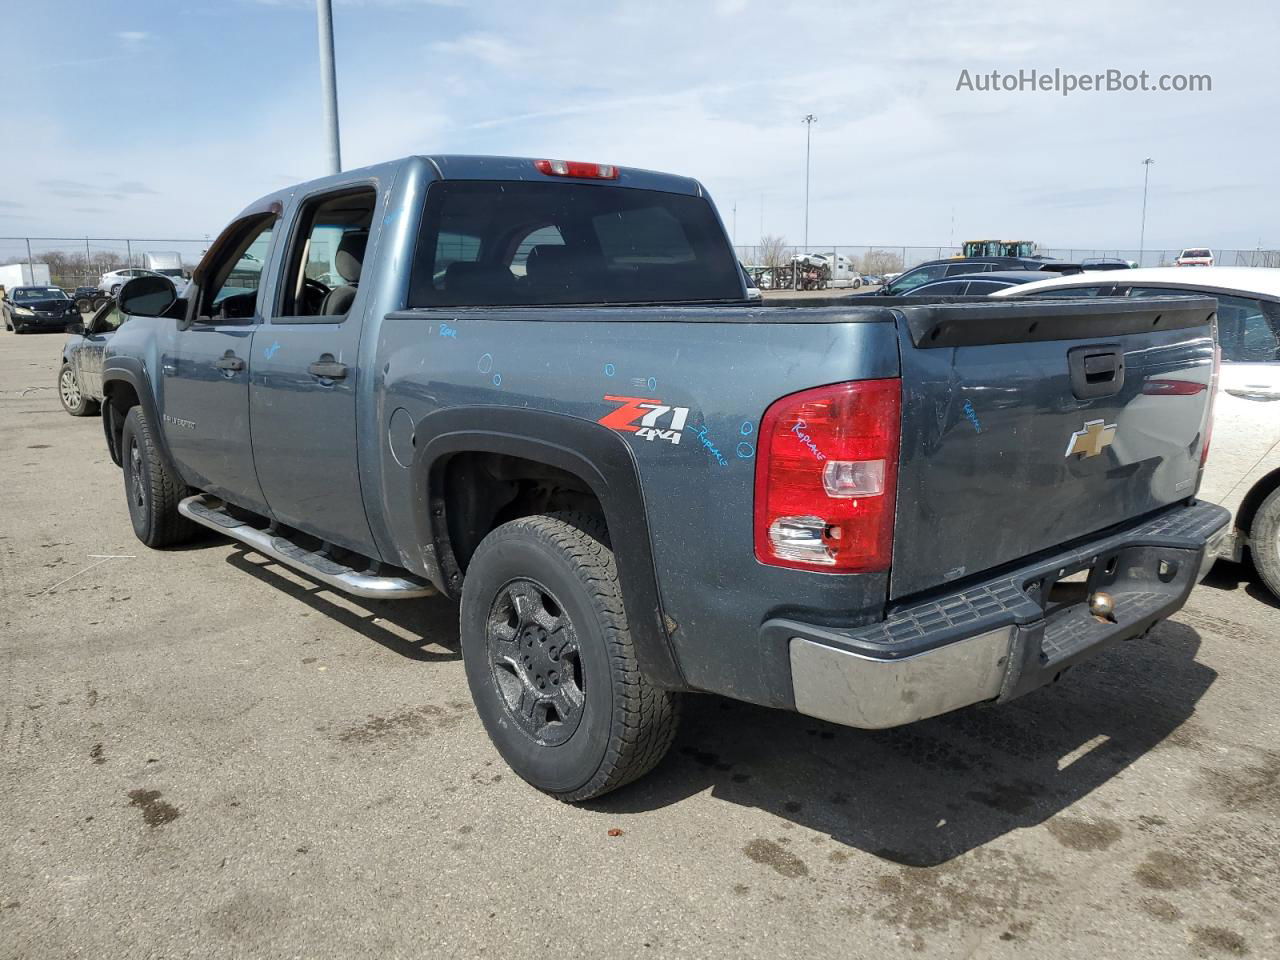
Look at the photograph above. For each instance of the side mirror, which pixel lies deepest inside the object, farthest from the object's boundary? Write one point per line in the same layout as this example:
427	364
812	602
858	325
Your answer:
76	326
147	296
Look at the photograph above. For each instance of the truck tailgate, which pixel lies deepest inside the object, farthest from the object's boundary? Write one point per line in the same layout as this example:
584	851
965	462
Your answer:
1024	430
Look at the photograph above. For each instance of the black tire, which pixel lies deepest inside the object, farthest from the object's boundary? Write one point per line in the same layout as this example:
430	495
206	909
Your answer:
69	392
1264	542
586	720
150	488
84	305
115	288
98	303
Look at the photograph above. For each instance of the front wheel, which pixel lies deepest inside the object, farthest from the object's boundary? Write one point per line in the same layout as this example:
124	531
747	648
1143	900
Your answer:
151	488
73	399
1264	542
550	660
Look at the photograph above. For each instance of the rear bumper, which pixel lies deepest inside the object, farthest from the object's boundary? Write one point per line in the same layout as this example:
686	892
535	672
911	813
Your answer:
1002	638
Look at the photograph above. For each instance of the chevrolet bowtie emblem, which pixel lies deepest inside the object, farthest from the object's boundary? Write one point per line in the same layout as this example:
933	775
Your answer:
1092	440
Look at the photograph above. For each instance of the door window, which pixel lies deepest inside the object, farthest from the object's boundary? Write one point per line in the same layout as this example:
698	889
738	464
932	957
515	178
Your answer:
230	285
325	263
914	278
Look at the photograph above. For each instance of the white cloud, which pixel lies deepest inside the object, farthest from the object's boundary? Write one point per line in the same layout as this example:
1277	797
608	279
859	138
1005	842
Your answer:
132	36
486	47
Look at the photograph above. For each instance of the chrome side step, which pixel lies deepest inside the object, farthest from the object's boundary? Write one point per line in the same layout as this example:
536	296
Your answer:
210	512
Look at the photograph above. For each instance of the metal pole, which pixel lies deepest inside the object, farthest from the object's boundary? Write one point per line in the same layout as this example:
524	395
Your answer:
30	268
128	246
808	120
329	81
87	262
1142	241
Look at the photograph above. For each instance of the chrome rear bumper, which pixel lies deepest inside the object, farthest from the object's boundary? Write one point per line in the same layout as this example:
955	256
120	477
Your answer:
1004	637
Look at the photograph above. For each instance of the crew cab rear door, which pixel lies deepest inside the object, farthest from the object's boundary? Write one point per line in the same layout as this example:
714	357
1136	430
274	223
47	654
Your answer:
302	396
1031	424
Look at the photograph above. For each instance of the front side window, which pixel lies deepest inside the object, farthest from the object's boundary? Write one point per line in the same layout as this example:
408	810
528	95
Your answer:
914	278
109	320
494	243
229	290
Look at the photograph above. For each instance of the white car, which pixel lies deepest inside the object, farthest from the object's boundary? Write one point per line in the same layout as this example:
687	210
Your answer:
113	281
1243	469
1194	257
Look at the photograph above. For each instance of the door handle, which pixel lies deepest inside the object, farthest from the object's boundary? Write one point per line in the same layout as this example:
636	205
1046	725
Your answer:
229	361
327	368
1259	393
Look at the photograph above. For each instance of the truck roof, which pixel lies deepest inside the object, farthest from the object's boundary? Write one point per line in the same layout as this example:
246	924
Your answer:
475	167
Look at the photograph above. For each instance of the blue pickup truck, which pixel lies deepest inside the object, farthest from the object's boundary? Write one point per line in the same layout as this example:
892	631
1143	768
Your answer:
540	387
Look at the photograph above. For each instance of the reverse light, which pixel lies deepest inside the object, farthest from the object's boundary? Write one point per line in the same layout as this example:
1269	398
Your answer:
826	476
577	168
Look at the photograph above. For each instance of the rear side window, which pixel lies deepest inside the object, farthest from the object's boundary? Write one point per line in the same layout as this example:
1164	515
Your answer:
486	243
1056	292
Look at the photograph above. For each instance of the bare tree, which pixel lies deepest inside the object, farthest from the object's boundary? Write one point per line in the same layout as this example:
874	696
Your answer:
880	262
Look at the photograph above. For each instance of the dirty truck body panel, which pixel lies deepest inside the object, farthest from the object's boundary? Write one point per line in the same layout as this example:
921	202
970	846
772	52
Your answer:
346	427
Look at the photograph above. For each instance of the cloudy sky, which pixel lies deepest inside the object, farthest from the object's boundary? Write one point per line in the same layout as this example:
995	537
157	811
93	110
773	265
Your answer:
162	118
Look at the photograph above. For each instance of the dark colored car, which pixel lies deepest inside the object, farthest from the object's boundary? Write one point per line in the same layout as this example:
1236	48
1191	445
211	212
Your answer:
906	283
80	375
39	308
977	284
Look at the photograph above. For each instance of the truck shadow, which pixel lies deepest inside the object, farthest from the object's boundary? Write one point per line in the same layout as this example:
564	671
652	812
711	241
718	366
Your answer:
1228	576
407	627
924	794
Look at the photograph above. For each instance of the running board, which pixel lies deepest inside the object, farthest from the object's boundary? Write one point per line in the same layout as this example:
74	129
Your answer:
210	512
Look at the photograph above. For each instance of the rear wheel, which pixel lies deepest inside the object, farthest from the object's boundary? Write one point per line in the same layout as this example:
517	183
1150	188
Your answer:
99	302
550	660
84	305
1264	542
73	399
150	488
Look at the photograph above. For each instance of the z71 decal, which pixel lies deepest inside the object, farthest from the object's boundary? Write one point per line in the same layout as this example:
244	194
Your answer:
640	415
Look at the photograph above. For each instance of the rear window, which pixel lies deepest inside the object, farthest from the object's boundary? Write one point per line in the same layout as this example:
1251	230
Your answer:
486	243
1196	252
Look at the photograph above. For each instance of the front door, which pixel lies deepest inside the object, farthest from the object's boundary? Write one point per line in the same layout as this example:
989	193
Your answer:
205	368
302	393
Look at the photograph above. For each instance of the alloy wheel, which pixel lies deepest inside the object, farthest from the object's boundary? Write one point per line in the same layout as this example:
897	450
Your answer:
535	660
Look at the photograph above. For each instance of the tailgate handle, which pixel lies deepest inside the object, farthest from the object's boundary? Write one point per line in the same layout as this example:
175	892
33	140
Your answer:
1096	370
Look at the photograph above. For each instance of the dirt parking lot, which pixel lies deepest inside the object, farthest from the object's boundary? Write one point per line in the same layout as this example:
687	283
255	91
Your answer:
205	755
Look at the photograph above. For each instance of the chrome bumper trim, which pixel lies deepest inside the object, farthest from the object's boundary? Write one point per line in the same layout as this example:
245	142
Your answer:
857	691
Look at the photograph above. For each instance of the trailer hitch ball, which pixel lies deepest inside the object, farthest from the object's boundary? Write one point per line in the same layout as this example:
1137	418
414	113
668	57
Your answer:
1103	606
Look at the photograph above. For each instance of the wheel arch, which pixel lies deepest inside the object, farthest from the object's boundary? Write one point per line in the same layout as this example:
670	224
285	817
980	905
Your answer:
597	457
1253	500
125	385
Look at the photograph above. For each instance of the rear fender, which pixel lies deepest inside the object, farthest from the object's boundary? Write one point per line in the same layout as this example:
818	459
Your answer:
594	454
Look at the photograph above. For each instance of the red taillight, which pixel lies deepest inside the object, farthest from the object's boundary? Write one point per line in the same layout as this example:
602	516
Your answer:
1172	388
1213	395
826	478
576	168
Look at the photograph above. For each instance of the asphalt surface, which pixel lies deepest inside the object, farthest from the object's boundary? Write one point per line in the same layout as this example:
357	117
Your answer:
205	755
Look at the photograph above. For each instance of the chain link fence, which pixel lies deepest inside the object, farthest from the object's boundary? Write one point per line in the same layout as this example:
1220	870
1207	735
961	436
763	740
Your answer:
81	261
888	258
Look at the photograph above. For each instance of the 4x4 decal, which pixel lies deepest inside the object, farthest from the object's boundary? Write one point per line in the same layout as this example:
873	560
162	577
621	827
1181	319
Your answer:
640	415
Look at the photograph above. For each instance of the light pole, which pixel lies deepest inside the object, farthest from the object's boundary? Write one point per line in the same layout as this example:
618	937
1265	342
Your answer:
808	120
1142	238
329	81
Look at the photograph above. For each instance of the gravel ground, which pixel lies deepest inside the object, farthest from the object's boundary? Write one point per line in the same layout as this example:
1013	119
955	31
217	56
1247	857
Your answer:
205	755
